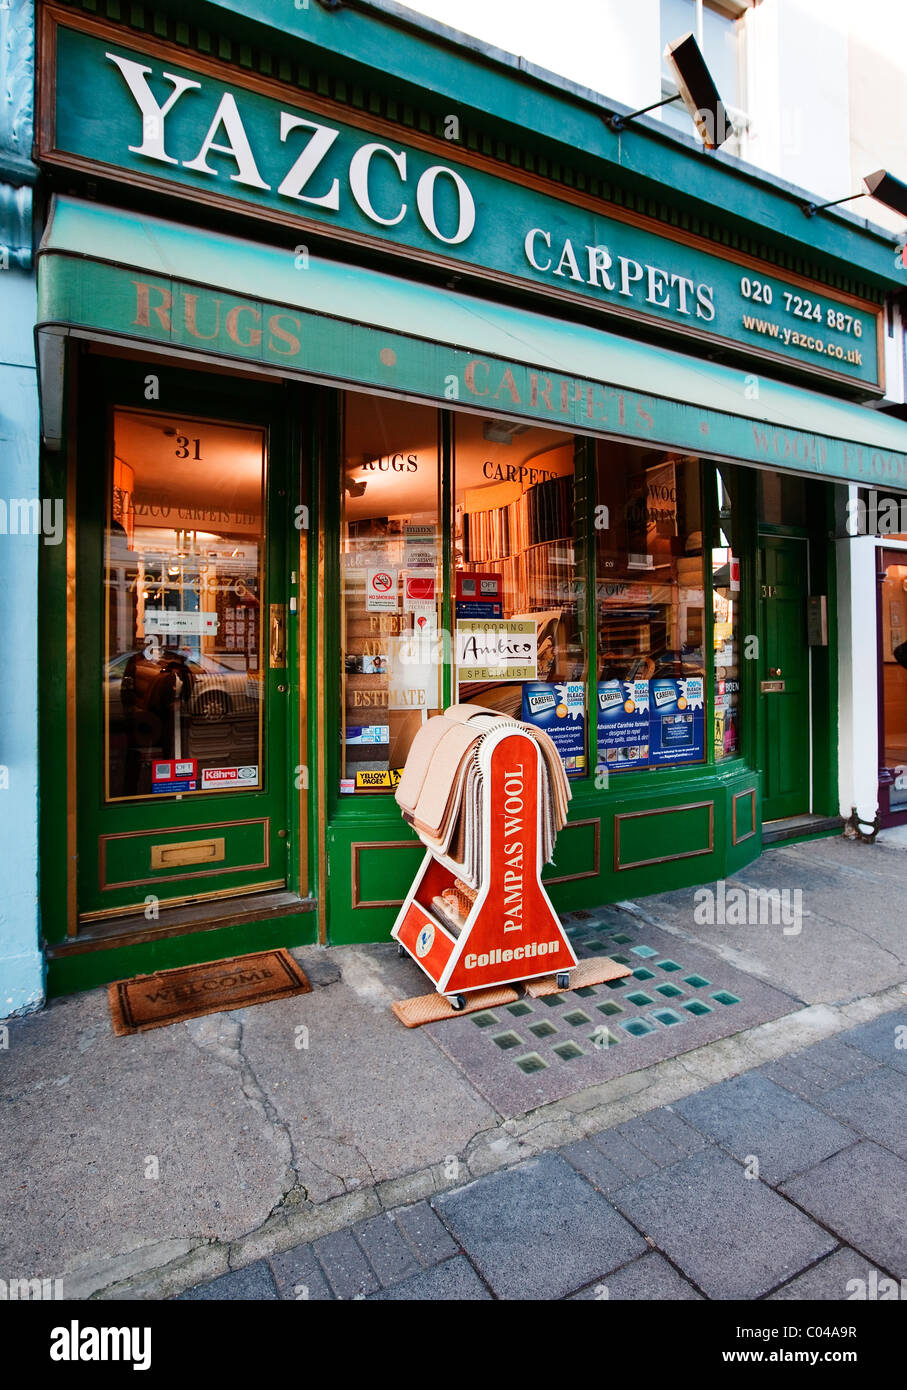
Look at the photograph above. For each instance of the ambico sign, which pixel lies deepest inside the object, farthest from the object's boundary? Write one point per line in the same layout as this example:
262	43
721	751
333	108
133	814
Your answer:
146	116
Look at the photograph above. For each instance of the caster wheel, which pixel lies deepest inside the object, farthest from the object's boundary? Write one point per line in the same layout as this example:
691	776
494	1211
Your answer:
401	950
457	1001
563	979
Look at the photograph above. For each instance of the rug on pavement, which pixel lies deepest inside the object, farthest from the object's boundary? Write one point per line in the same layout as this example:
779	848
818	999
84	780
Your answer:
677	997
169	996
428	1008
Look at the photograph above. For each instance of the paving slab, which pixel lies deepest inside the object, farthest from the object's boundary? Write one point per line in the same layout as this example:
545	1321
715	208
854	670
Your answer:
819	1068
388	1253
885	1039
538	1231
348	1271
427	1236
679	997
876	1107
455	1281
851	942
252	1284
299	1277
649	1279
843	1275
732	1236
604	1175
861	1194
750	1115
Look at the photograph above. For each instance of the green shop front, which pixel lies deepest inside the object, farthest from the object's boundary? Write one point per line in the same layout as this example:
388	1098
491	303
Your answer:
353	422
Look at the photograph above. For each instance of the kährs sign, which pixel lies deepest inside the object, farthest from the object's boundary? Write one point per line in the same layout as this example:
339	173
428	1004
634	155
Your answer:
242	142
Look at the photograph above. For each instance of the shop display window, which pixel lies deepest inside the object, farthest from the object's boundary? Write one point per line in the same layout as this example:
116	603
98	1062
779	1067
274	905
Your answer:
650	608
391	586
491	609
519	589
726	617
184	557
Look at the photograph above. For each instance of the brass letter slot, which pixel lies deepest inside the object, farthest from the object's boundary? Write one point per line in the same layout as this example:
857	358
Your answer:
187	852
772	687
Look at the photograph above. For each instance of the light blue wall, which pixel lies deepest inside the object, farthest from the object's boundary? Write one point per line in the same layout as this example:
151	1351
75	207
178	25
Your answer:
21	962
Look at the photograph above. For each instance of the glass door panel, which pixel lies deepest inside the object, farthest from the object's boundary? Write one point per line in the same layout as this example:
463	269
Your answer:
184	559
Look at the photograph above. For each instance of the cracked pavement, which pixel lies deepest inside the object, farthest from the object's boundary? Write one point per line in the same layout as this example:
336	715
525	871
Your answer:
142	1166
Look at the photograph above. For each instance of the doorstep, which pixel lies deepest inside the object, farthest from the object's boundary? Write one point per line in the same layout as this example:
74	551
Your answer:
131	929
799	828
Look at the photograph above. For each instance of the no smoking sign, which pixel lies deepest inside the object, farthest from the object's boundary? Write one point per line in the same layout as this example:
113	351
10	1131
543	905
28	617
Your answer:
381	590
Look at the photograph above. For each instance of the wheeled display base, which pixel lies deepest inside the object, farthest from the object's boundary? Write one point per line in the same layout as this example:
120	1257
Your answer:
511	931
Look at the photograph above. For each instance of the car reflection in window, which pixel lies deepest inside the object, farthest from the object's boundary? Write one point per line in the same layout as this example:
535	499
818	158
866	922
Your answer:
174	703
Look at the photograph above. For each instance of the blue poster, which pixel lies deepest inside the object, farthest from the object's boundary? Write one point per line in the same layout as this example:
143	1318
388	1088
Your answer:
623	725
676	720
560	710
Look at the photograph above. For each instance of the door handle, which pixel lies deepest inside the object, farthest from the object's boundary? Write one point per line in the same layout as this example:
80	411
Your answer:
774	670
278	646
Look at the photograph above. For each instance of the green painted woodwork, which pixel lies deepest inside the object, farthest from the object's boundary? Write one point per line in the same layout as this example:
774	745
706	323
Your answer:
644	837
88	969
129	859
385	874
314	323
659	836
784	750
576	852
255	853
745	816
823	579
644	274
290	417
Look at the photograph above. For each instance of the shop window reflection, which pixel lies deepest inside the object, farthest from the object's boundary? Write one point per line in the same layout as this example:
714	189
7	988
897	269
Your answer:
726	617
650	607
391	587
516	556
183	577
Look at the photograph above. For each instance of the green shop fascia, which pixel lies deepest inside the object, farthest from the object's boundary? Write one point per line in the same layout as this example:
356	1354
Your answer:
378	373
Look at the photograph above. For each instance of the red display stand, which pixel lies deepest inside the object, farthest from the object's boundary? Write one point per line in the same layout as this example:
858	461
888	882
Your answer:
511	932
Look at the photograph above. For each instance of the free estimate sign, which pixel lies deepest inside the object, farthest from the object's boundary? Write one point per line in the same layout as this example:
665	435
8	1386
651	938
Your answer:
157	116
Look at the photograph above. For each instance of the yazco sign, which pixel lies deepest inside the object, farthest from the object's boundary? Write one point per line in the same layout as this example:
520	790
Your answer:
208	132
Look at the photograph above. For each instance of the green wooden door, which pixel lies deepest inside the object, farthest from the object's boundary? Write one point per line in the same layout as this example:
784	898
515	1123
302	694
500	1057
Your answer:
182	762
784	722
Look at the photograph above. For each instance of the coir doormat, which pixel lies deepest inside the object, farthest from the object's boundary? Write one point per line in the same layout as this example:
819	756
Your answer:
170	996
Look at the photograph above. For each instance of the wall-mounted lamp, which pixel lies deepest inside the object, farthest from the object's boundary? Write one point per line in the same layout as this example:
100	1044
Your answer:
619	123
881	185
698	91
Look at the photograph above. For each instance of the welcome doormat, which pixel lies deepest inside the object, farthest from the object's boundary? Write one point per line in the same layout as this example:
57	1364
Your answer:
170	996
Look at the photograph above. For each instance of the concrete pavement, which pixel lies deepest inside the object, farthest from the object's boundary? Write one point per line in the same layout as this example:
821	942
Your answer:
367	1164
